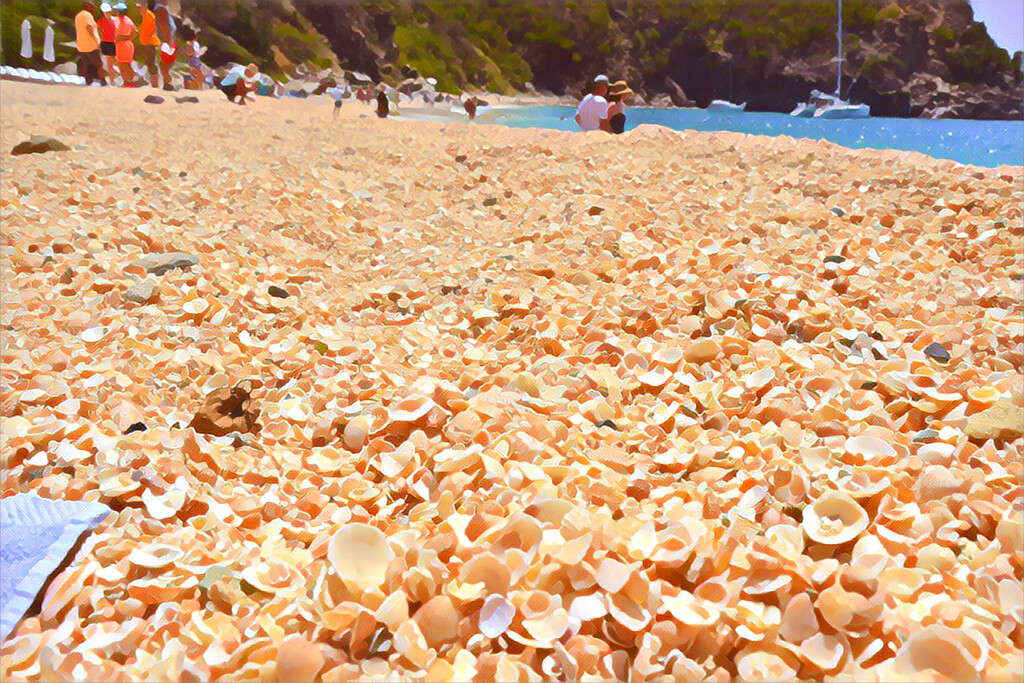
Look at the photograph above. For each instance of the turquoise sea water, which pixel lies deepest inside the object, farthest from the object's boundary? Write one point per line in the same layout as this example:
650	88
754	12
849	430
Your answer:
981	143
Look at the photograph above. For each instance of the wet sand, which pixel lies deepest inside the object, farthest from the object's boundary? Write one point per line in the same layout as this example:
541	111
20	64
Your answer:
537	405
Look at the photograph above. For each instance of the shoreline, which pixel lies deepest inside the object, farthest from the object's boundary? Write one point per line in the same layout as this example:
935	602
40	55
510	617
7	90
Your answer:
526	100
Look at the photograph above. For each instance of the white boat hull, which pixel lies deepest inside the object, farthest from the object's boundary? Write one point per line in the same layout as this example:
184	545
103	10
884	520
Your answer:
726	107
844	111
803	111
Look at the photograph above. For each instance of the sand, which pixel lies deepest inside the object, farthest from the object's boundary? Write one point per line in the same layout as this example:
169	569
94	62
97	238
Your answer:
537	405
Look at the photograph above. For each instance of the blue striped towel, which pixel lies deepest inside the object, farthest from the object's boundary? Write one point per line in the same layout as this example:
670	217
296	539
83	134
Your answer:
36	535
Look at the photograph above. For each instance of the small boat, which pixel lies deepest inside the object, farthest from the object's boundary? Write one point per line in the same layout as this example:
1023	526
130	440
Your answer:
824	106
726	107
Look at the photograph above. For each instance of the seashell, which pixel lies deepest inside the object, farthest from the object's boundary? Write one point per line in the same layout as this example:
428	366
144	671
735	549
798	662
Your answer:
356	432
824	652
411	409
438	620
155	556
655	378
701	351
799	621
853	602
495	616
690	610
760	663
275	578
936	483
158	591
486	569
833	519
670	357
298	660
359	554
869	449
955	654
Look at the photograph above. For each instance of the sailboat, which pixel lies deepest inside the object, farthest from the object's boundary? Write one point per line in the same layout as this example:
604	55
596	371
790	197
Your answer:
825	106
727	106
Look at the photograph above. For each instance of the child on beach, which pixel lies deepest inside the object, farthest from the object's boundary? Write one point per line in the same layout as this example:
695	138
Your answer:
238	87
338	94
196	74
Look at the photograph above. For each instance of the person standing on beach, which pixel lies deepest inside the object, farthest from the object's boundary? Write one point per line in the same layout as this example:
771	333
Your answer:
87	41
165	30
338	94
470	107
592	113
124	35
108	32
149	42
382	103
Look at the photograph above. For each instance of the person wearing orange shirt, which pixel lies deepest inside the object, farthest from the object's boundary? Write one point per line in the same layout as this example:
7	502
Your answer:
149	42
87	40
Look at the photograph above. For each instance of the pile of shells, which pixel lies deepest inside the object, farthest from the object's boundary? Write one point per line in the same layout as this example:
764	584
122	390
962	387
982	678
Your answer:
654	413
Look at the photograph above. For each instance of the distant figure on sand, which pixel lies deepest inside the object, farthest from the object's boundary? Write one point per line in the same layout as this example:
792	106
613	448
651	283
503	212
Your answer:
592	113
87	41
618	94
196	76
337	93
149	42
108	32
470	107
238	86
124	35
382	102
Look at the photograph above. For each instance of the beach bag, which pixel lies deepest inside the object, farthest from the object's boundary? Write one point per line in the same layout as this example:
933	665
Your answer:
168	53
226	410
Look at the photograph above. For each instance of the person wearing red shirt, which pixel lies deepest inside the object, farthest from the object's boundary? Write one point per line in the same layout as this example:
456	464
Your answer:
108	34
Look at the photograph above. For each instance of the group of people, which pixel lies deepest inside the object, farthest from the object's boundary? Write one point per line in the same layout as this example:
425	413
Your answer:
604	107
106	46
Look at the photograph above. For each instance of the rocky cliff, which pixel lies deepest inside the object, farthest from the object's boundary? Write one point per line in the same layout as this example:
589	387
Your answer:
903	57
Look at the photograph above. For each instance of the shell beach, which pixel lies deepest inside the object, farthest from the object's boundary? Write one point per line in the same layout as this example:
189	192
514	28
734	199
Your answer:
532	405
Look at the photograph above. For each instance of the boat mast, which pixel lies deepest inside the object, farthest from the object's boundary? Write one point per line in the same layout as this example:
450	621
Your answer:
839	60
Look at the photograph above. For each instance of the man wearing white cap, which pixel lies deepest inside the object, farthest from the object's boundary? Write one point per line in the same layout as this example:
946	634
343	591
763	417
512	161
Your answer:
592	114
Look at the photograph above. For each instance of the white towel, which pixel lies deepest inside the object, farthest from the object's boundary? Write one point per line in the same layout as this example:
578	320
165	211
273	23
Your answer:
26	39
48	45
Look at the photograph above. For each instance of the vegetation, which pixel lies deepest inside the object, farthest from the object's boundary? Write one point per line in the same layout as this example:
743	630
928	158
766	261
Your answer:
502	45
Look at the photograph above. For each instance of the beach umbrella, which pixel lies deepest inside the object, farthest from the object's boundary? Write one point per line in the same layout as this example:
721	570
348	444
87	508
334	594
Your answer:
432	81
358	77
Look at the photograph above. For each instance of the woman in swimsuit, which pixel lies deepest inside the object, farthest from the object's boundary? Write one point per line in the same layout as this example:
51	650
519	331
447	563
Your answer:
618	93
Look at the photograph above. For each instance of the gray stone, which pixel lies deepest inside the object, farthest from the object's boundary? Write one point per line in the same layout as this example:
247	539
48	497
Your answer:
141	292
363	194
158	264
278	292
838	212
153	99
